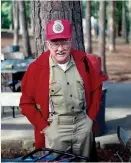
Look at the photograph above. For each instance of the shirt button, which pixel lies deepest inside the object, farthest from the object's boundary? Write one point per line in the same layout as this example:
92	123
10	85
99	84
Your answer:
70	95
67	83
72	107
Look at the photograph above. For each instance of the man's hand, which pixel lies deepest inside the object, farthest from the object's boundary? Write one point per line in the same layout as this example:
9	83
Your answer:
43	131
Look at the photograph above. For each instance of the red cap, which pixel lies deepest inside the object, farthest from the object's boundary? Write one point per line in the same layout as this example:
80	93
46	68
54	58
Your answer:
58	29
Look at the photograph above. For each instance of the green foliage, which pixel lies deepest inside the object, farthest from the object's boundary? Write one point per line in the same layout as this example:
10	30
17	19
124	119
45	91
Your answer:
119	5
94	8
118	9
118	16
5	14
28	11
127	16
83	8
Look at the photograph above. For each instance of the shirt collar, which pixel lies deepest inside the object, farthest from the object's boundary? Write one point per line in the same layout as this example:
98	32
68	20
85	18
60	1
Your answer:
72	60
52	62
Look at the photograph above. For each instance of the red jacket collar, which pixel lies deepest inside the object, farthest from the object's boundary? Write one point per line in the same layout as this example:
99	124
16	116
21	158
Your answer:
43	59
78	55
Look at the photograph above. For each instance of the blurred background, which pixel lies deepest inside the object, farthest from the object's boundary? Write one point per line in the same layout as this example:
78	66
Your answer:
105	29
102	28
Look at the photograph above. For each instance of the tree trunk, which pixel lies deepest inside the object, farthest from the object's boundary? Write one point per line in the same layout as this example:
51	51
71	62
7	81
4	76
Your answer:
45	11
16	21
111	26
12	18
116	30
130	19
124	24
32	18
88	27
33	30
25	36
20	24
102	34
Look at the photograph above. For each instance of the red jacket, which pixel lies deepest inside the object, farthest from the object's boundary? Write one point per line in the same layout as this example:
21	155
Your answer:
35	90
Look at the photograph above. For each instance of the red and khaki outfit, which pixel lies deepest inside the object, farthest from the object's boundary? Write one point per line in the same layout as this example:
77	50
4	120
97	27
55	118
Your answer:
73	115
71	129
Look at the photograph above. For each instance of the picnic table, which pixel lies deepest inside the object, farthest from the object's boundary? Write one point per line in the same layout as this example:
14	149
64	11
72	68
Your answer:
17	68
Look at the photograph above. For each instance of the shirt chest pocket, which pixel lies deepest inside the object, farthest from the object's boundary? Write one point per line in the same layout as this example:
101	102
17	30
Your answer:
56	94
80	90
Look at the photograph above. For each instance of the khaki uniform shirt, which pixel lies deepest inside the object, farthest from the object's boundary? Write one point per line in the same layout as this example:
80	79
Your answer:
67	94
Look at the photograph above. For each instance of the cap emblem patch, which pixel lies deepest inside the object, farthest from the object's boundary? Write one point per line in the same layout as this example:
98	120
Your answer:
58	27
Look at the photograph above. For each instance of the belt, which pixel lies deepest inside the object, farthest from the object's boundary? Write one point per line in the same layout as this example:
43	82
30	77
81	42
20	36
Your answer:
65	120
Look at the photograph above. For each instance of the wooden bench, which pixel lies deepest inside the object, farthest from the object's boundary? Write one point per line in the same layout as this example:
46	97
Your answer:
10	99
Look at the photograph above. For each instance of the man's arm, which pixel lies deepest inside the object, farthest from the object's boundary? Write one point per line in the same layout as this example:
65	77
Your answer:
96	92
95	103
27	101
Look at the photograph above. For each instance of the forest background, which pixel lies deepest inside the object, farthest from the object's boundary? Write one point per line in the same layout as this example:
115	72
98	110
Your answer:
106	31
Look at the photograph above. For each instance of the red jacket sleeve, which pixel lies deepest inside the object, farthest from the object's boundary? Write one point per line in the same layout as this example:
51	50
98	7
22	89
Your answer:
27	101
96	92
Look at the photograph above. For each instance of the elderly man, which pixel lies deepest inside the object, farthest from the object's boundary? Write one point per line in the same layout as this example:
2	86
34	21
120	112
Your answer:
61	94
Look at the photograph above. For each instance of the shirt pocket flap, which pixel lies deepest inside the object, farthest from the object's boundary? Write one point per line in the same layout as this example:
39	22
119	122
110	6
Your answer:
55	88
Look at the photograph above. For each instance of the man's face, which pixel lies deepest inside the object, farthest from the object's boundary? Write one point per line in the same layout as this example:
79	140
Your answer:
60	50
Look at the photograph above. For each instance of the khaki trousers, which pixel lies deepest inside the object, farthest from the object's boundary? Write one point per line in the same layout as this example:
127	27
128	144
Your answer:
70	134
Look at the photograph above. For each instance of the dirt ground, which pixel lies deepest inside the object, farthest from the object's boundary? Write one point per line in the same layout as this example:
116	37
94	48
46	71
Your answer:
118	63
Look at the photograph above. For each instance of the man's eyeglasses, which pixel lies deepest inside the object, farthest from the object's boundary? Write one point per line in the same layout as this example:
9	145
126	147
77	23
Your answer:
55	44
